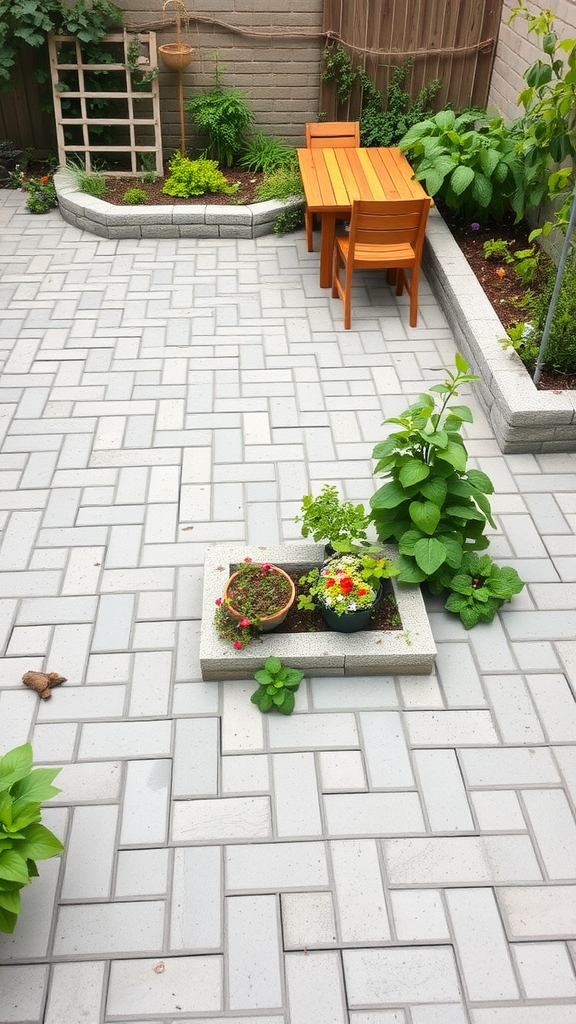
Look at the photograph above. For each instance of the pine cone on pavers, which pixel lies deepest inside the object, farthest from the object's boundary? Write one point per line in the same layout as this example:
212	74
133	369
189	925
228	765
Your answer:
42	682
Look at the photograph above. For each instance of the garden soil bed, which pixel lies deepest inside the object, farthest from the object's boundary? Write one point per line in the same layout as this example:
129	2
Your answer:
246	194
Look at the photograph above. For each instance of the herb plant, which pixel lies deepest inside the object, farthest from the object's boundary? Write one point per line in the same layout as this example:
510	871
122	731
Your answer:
223	117
23	839
195	178
340	524
276	686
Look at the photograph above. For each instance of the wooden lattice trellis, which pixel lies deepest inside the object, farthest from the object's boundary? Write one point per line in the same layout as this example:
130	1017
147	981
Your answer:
141	128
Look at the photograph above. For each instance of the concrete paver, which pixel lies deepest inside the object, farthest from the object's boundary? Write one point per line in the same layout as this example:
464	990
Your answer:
403	849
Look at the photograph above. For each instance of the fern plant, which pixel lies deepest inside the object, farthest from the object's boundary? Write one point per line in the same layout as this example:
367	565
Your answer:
223	117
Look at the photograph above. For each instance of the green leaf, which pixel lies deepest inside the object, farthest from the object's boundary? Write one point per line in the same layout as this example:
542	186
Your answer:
470	616
460	363
481	481
454	454
413	473
293	677
15	765
273	665
409	540
13	867
462	584
389	496
409	572
40	843
465	512
287	707
462	412
461	178
453	549
425	514
455	603
265	702
25	816
278	698
435	489
482	190
263	677
430	554
7	921
36	786
11	901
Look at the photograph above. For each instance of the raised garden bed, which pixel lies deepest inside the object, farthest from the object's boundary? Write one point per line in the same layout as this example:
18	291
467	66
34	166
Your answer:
408	649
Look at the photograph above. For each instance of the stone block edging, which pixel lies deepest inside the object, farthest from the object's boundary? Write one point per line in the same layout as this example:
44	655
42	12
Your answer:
111	221
523	419
408	650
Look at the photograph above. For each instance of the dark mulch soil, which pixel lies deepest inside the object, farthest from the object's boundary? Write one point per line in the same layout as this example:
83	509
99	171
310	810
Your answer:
249	181
504	292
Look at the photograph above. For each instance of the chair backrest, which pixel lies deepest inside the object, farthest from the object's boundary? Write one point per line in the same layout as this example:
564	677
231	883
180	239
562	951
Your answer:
333	135
389	222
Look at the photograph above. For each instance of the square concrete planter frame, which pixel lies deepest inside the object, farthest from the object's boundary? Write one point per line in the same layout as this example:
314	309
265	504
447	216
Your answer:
410	649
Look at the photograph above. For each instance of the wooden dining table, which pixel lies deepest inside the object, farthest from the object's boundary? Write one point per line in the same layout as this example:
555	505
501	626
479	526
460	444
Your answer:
333	178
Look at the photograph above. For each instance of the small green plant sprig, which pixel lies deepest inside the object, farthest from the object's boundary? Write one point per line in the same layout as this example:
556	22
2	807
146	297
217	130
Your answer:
522	337
23	839
432	505
223	117
479	588
134	196
524	261
339	523
345	583
41	194
276	686
195	178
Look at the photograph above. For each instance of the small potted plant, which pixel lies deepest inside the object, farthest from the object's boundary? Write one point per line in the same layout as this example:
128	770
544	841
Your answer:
340	524
257	598
346	589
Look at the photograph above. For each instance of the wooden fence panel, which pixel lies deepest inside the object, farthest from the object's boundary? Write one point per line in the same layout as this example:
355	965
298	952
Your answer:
21	118
446	39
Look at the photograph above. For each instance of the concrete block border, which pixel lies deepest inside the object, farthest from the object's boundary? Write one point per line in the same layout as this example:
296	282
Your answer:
409	650
523	419
111	221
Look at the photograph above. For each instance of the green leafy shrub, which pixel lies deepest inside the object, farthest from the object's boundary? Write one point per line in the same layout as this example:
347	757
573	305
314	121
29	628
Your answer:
338	68
384	123
479	588
283	183
41	194
276	688
560	353
223	117
134	196
93	183
195	178
23	839
524	261
289	220
471	165
266	153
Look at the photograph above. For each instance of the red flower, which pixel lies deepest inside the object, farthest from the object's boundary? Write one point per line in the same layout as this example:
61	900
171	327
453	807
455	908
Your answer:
362	591
44	179
218	601
331	582
238	644
346	584
265	566
248	560
244	622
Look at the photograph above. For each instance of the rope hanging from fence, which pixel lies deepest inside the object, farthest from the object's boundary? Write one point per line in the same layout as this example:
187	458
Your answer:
484	46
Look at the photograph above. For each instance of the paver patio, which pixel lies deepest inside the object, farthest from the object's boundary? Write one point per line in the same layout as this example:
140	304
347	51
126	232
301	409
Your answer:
402	850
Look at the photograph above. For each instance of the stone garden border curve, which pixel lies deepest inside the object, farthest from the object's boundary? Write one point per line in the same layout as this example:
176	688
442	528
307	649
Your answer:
408	650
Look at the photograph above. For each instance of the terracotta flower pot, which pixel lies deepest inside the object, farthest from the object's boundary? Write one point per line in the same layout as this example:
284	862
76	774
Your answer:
268	622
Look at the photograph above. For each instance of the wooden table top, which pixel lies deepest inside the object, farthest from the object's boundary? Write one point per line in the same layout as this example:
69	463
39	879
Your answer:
333	178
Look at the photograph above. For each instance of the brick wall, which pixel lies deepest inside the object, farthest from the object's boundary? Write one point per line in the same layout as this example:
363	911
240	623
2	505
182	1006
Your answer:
516	52
272	52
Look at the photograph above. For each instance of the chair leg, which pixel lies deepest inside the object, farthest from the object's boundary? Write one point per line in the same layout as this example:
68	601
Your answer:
309	223
336	264
414	297
348	295
400	281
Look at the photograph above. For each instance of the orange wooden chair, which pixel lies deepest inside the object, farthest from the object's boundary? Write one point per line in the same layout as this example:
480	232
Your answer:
329	135
384	235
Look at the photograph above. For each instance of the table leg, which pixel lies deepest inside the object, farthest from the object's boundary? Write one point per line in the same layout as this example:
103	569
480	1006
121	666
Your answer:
327	232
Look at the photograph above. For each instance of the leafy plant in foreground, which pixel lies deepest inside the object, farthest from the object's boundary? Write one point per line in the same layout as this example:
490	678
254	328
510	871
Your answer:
339	523
480	588
431	505
41	194
23	839
276	688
